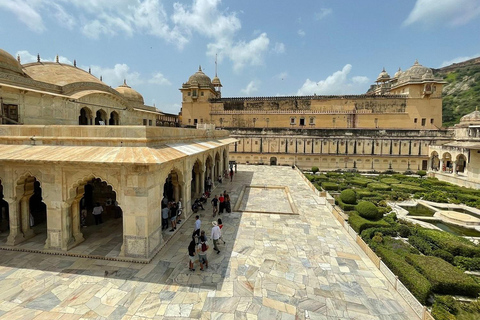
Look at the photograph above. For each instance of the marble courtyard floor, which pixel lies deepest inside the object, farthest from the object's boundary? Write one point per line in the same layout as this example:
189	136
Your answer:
273	266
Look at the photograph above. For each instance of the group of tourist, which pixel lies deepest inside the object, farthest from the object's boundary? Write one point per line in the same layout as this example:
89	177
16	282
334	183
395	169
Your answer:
221	203
199	245
172	211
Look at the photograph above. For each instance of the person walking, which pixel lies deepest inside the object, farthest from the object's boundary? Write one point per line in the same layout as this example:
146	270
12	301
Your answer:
202	251
231	175
191	254
221	200
97	213
196	229
173	216
214	205
179	211
220	225
216	234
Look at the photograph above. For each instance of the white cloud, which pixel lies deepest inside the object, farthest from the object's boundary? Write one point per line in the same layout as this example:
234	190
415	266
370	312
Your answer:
337	83
458	59
323	13
301	33
115	76
160	79
251	87
26	13
451	12
250	53
27	57
279	47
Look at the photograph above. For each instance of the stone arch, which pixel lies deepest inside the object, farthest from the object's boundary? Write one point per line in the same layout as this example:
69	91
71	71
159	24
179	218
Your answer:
114	119
217	166
209	166
85	117
225	162
447	164
460	163
197	185
175	176
100	117
434	161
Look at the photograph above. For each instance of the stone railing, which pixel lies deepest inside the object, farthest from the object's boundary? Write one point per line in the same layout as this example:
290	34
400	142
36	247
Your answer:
361	111
421	311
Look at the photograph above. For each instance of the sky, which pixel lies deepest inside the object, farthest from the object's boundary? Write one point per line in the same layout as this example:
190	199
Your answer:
262	47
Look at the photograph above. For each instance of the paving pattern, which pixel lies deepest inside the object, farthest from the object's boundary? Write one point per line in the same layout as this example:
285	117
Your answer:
273	266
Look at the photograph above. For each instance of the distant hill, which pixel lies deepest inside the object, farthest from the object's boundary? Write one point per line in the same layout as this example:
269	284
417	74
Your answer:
462	93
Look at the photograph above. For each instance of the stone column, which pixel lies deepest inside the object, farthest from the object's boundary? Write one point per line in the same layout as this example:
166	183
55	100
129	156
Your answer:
454	167
176	191
429	164
25	214
441	165
197	182
202	183
77	234
16	235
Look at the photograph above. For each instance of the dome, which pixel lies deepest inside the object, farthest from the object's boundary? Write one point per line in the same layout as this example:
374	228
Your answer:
129	93
8	63
383	76
58	73
200	78
398	73
471	117
216	82
416	72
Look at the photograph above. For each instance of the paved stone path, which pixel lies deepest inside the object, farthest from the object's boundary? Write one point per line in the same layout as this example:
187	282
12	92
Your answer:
273	266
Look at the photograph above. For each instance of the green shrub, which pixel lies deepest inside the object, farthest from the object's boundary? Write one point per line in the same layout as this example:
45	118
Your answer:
421	173
359	224
421	244
348	196
444	278
418	285
389	181
321	177
310	177
439	313
403	230
367	210
314	169
379	186
345	206
448	303
367	234
407	188
328	186
470	264
436	196
390	218
361	181
442	254
456	245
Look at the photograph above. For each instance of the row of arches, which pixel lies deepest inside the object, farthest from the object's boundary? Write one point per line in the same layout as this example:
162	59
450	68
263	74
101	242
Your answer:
446	163
24	214
101	117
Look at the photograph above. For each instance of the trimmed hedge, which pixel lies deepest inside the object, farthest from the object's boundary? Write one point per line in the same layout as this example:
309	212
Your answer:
348	196
421	244
418	285
407	188
368	234
379	186
361	193
361	181
359	224
470	264
444	278
329	186
389	181
421	173
457	246
345	206
367	210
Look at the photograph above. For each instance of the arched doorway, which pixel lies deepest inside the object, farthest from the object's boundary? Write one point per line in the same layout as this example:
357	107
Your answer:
196	186
434	161
209	168
225	162
273	161
217	167
4	211
107	235
461	163
101	117
447	165
114	119
85	117
172	194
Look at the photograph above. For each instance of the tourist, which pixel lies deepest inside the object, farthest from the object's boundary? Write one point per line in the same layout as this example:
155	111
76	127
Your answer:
179	210
191	254
196	229
202	251
209	184
220	178
165	215
173	215
97	213
215	205
228	208
231	175
221	200
216	234
220	225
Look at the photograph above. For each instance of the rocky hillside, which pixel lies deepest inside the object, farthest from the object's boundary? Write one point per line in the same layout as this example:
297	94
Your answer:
461	94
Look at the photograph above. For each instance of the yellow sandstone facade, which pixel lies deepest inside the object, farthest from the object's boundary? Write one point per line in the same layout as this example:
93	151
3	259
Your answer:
389	127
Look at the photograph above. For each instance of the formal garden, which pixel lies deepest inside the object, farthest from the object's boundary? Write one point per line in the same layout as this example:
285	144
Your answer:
441	270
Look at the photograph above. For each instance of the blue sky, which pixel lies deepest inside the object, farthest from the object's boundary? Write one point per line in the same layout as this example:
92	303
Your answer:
264	48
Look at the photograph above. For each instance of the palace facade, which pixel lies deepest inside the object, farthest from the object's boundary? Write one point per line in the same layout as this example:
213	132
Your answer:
388	128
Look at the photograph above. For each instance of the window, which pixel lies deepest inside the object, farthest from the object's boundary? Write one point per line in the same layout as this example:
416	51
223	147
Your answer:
312	120
256	142
415	120
424	121
302	121
201	93
149	122
189	93
194	92
376	122
144	122
201	120
195	121
431	121
292	120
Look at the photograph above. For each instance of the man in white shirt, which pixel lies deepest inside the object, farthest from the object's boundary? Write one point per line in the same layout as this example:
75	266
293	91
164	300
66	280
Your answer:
97	213
216	234
196	229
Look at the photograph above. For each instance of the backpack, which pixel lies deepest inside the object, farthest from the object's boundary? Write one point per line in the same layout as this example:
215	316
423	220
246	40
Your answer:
204	247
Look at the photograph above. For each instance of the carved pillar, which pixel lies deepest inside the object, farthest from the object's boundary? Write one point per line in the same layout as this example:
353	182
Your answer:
197	182
25	214
455	167
441	165
16	235
176	190
75	210
202	182
430	163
